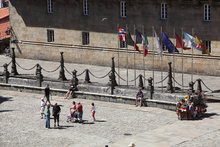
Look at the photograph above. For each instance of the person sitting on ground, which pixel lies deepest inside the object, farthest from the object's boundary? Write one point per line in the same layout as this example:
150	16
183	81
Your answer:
71	90
139	98
56	114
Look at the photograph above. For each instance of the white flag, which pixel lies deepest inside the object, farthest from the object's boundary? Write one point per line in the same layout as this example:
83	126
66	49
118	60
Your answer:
157	44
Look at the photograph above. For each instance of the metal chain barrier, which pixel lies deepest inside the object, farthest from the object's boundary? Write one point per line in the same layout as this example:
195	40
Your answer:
179	83
26	68
162	80
145	78
134	79
67	71
120	77
99	77
51	70
206	86
81	73
7	63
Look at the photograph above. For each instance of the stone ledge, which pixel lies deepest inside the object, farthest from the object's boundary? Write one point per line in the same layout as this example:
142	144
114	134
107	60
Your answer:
94	96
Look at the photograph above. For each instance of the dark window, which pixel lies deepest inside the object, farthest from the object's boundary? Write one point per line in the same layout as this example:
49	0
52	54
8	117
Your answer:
122	44
50	35
85	8
208	46
207	12
163	14
123	11
85	38
50	6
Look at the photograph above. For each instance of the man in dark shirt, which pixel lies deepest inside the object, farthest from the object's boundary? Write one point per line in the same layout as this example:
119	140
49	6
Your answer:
47	93
56	114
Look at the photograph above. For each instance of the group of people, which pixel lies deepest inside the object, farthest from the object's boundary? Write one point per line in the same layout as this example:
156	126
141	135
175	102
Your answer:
75	114
191	106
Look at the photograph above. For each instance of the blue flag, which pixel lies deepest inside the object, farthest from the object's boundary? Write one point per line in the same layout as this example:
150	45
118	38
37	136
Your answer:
169	45
138	37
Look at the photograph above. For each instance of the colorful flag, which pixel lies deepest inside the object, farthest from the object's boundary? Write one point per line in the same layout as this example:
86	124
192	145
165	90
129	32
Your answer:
200	45
138	37
169	45
180	43
145	44
157	44
121	34
131	42
188	40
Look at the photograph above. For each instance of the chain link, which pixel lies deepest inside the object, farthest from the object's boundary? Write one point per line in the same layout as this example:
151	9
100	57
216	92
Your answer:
51	70
81	73
134	79
161	80
26	68
206	86
120	77
67	71
179	83
99	77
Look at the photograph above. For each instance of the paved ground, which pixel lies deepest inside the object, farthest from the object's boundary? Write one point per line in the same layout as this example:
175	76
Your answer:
117	126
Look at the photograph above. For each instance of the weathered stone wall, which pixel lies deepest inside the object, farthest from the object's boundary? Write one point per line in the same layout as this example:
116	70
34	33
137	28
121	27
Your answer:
30	21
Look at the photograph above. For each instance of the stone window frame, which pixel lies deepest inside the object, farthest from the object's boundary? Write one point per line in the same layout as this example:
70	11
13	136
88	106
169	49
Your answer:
163	11
50	35
50	6
85	8
123	9
207	12
208	45
85	38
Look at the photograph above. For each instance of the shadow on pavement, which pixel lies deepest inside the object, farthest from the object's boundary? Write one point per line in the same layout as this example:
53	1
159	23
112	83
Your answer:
4	99
100	121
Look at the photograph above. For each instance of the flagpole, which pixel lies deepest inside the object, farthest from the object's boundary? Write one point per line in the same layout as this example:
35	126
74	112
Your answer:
161	58
143	52
174	31
118	57
134	60
192	58
153	51
182	56
127	56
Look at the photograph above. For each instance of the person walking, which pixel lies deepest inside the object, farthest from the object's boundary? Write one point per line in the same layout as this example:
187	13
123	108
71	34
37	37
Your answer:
93	110
80	112
47	115
56	114
139	98
47	93
42	107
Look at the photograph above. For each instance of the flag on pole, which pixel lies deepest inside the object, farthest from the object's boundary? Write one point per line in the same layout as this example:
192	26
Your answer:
131	42
138	37
195	43
145	44
157	44
180	43
121	34
169	45
201	46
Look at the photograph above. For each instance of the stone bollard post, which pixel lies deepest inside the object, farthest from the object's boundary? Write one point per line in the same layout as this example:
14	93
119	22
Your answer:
62	72
141	85
170	82
6	73
191	87
74	78
113	73
13	63
87	78
39	75
199	86
150	87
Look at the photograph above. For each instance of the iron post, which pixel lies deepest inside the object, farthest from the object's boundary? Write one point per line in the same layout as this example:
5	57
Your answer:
170	82
13	63
62	72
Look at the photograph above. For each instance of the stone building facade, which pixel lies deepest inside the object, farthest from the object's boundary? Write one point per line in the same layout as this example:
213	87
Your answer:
86	31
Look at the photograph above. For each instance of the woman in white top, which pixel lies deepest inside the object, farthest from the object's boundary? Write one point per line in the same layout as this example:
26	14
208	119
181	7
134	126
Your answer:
93	109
